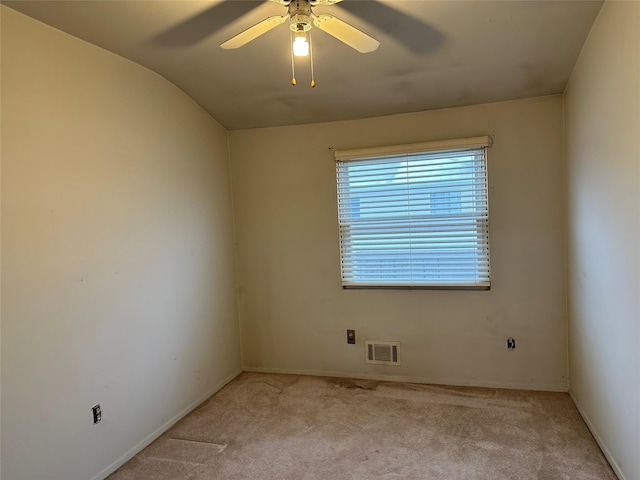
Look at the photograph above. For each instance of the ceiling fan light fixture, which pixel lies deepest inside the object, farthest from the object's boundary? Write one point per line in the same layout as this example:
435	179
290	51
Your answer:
300	45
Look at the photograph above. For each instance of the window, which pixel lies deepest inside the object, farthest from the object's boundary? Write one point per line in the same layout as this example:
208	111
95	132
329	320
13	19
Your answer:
415	215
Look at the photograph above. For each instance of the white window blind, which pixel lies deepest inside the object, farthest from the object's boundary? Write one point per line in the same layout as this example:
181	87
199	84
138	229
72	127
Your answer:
416	215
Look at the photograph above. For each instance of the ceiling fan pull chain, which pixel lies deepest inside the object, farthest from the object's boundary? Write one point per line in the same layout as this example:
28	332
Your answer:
293	66
313	82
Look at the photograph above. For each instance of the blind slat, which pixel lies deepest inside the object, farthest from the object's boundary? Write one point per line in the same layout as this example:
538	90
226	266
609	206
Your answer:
409	187
390	171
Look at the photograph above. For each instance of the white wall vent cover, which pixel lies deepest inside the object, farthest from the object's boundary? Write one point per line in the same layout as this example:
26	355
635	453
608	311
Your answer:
382	353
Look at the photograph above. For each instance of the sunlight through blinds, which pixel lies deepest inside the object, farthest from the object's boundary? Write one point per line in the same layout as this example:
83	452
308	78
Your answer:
419	218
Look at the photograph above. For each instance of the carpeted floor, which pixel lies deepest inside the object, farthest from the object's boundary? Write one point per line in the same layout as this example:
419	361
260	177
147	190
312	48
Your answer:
264	426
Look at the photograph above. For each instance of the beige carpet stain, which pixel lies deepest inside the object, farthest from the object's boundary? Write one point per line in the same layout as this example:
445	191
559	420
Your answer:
264	426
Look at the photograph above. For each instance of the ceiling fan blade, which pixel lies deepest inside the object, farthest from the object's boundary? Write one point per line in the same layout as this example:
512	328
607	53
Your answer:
346	33
254	32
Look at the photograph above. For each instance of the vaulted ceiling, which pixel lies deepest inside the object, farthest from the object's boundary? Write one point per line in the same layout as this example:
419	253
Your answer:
432	54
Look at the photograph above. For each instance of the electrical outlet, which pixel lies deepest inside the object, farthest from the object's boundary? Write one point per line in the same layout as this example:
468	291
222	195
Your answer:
351	337
97	414
511	343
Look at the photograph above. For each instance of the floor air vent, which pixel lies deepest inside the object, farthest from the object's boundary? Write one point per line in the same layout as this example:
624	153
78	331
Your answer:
382	353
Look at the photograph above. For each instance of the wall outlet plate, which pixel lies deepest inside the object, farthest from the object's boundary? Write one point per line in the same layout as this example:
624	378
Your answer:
97	414
351	337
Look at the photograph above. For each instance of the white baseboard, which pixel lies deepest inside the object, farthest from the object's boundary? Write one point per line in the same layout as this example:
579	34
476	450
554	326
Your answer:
163	428
596	435
410	379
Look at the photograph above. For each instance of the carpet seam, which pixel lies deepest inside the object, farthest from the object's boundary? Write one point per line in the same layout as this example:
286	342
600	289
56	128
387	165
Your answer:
137	448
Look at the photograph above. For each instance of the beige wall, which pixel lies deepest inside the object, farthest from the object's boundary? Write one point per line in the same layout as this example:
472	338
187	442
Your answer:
294	315
118	271
603	173
117	251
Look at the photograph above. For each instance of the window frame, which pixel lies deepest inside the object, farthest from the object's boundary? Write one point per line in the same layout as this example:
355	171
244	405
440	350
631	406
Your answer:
395	153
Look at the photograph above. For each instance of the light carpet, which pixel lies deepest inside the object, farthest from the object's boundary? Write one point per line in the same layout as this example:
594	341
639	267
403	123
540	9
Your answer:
264	426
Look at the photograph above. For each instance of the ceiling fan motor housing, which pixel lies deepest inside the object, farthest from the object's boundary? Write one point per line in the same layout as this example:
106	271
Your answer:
300	14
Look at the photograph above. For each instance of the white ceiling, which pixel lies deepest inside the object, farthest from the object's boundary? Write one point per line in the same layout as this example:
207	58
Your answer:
433	54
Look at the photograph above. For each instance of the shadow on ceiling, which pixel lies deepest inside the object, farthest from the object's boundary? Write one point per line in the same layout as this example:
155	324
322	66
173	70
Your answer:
413	34
206	23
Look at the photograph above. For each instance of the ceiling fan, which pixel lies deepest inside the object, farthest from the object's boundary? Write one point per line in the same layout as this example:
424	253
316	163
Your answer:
301	20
